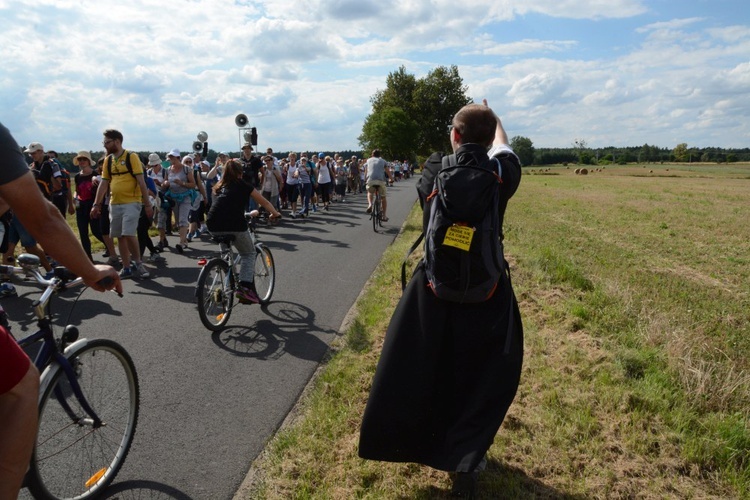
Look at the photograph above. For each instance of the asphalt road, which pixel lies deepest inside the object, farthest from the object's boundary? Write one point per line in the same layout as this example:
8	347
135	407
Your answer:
210	402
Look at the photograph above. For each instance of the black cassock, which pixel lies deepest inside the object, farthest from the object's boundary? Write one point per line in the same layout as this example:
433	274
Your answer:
447	373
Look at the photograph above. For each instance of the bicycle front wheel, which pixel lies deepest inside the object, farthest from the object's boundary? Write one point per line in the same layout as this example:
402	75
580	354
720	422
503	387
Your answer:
75	456
215	294
265	273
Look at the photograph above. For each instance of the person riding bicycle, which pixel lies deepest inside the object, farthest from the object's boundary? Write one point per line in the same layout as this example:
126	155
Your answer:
19	379
376	174
227	217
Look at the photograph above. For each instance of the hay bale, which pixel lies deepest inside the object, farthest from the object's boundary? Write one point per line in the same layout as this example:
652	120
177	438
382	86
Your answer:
578	171
584	171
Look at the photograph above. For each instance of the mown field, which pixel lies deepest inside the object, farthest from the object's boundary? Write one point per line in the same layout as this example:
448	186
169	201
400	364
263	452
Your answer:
633	285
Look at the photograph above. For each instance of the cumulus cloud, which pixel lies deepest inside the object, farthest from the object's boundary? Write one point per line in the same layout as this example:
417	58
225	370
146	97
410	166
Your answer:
161	72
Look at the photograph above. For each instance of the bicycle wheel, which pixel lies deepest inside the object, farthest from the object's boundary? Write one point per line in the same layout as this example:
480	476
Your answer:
74	456
215	294
265	273
375	215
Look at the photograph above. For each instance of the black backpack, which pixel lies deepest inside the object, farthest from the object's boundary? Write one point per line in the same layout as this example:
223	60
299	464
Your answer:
463	257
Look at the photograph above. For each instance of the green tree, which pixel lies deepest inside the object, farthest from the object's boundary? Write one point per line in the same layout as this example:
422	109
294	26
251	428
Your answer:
399	92
391	130
680	152
438	97
430	102
524	148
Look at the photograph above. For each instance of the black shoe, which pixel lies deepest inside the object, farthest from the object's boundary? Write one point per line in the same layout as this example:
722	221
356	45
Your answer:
106	253
465	485
179	248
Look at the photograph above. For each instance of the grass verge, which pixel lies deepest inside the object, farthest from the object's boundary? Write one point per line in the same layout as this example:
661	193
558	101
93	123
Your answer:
635	300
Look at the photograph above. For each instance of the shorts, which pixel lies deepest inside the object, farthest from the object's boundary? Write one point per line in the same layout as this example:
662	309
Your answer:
14	363
123	219
16	233
373	186
197	215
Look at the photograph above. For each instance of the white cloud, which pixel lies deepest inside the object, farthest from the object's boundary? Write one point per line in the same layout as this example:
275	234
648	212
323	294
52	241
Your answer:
304	70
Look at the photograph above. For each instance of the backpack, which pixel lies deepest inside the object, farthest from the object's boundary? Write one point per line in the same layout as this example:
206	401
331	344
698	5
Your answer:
45	186
463	254
64	180
108	164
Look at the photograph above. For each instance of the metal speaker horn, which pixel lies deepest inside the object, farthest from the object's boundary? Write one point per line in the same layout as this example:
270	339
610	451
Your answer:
241	120
202	136
197	146
247	136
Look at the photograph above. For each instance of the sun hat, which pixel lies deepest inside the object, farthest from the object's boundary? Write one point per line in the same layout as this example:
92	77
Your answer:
154	159
247	145
83	154
175	152
34	147
223	153
206	163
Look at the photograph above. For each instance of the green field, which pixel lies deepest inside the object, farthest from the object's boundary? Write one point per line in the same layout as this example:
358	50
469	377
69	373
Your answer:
633	284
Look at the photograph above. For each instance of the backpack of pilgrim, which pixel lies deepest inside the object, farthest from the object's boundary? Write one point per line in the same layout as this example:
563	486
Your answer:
463	254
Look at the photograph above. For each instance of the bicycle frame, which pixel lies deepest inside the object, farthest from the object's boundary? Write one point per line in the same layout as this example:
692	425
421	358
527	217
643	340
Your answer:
51	354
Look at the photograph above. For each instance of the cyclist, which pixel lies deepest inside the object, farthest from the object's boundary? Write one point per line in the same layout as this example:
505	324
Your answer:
227	217
19	380
377	171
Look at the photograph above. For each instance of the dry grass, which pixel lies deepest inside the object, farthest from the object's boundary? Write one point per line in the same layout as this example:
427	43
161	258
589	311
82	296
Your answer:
634	293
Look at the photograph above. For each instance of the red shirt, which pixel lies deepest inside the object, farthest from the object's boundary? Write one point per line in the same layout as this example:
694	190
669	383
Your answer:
14	363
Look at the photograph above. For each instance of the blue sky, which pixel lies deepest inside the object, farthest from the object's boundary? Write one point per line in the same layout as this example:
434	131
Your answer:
611	72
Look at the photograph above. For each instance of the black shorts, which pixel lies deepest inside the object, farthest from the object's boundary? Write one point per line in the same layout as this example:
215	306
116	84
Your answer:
197	215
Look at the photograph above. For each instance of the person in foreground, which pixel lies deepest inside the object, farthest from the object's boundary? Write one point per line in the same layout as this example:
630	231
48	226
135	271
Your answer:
449	371
19	379
227	217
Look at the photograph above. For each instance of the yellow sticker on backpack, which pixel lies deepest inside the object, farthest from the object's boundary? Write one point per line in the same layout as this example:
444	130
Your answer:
459	237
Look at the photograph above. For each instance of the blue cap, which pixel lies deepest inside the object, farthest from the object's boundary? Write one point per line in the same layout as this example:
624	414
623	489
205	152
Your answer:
321	155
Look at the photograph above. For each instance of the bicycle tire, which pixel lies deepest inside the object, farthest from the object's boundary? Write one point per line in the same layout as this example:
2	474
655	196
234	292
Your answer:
265	273
215	292
375	215
72	458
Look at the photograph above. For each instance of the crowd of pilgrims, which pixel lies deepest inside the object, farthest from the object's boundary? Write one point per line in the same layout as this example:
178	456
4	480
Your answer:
298	184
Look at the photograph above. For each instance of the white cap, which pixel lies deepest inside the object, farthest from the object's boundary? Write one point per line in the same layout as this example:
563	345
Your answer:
34	147
175	152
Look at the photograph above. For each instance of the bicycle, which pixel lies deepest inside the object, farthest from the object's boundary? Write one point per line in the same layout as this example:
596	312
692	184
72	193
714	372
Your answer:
219	278
88	399
377	212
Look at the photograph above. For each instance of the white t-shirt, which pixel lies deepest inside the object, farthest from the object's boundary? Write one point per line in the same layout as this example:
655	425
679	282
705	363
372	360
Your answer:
324	173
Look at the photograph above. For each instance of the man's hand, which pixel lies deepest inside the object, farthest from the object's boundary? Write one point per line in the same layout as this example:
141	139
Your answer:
71	209
105	278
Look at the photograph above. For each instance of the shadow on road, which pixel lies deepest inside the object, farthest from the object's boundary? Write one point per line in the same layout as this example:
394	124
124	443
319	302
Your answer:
142	490
290	329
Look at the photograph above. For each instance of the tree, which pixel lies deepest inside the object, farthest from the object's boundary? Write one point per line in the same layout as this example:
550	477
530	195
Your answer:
524	148
580	145
680	152
430	102
398	93
391	130
438	97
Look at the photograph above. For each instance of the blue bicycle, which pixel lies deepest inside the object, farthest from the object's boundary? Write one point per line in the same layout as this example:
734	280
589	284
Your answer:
88	400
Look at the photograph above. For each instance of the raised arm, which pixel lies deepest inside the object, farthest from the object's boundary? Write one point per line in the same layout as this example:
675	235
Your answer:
501	138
